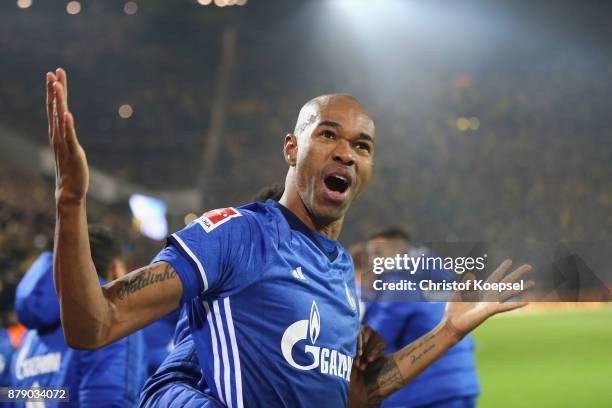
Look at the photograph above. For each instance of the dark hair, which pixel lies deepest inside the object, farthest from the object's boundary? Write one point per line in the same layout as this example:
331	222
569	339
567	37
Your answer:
274	192
391	233
105	248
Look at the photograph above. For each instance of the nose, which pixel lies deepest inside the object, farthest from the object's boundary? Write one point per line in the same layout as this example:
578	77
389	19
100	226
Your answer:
343	153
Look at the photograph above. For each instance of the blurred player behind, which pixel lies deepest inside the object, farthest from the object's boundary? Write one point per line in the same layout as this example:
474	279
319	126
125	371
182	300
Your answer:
109	377
450	382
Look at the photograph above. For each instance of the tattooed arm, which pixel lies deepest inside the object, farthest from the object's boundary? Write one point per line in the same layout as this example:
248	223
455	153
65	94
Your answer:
392	372
93	316
466	311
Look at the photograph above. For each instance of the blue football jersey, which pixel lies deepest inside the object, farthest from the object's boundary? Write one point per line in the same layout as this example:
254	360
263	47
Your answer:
271	306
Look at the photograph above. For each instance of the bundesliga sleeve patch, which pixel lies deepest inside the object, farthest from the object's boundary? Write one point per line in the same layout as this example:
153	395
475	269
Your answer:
213	218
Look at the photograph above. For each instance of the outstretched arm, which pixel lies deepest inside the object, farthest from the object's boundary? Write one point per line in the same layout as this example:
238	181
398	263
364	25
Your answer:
390	373
93	316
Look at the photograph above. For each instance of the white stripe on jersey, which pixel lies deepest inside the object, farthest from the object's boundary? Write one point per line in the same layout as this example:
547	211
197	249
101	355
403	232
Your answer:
226	365
232	335
213	340
194	259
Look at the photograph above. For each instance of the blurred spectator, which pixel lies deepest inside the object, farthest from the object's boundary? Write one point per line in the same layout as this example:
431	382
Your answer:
111	376
450	382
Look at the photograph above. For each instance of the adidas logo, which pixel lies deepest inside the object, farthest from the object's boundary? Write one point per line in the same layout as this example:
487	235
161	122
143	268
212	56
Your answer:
297	273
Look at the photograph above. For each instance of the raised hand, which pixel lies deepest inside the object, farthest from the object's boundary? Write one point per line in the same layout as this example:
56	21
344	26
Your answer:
71	173
464	312
470	308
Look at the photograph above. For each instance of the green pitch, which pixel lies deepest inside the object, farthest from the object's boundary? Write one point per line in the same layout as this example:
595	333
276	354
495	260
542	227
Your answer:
546	359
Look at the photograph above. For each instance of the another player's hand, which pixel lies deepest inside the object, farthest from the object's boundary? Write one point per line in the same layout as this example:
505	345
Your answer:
71	173
468	309
370	347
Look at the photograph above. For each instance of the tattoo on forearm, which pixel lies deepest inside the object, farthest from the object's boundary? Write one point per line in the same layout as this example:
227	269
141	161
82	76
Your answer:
417	357
408	352
382	377
143	279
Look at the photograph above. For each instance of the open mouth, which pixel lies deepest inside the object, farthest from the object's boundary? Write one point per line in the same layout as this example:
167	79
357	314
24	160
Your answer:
336	186
336	183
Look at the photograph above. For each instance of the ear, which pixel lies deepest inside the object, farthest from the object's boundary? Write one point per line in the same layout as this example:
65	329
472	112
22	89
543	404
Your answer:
290	149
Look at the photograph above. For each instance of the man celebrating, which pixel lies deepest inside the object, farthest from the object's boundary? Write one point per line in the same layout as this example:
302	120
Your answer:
269	291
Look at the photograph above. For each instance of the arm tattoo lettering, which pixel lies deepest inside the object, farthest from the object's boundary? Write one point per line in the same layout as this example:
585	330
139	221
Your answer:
383	377
146	277
409	351
415	358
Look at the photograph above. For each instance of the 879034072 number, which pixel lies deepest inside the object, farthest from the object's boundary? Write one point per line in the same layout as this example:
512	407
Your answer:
34	394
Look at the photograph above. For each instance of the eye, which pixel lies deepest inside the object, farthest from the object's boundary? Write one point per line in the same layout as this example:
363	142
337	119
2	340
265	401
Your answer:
364	146
328	134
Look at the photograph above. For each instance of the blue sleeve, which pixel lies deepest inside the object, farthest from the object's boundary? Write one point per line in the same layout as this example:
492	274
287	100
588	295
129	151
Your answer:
192	285
113	375
176	382
216	253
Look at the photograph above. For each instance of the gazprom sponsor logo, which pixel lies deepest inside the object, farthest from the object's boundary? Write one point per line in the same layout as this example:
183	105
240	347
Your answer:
37	365
325	360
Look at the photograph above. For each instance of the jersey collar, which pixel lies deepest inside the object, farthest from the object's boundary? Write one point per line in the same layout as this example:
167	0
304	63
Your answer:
328	246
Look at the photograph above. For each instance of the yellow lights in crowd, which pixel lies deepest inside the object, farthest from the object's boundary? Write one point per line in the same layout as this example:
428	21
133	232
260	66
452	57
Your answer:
73	7
23	4
131	7
125	111
464	124
223	3
189	218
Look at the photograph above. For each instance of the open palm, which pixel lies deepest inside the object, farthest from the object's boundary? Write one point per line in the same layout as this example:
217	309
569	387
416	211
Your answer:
71	173
469	308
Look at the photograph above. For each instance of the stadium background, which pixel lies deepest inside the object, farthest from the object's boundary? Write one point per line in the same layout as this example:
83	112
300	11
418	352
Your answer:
493	122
